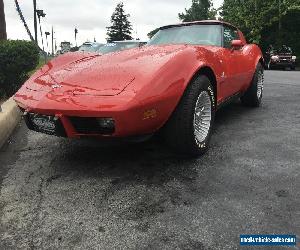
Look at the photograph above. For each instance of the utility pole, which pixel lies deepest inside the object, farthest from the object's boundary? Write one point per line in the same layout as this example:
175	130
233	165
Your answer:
3	35
47	34
76	32
40	13
52	40
35	21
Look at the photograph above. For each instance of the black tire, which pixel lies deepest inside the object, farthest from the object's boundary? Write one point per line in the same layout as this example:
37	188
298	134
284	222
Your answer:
179	131
293	67
251	97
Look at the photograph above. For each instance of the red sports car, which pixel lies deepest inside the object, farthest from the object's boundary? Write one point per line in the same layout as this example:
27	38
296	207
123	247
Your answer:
175	83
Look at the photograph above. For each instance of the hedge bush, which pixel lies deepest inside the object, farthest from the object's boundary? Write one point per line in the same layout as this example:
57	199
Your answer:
17	58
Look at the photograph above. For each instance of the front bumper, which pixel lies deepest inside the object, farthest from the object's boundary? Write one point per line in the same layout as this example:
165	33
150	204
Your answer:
131	117
283	64
79	126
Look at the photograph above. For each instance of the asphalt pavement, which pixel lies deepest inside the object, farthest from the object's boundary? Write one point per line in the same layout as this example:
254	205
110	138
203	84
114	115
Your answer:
71	194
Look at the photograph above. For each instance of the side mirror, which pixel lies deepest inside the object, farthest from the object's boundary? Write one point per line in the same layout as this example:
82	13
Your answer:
237	44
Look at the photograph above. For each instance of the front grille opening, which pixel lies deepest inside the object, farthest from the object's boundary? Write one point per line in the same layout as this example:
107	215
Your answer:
56	126
93	125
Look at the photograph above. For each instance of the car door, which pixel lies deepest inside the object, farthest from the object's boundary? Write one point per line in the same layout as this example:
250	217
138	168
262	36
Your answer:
231	62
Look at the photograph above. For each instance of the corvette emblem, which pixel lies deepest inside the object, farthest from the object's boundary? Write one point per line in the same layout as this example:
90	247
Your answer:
56	86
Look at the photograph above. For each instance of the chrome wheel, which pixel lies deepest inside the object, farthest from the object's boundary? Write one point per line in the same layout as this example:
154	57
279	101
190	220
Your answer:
260	84
202	116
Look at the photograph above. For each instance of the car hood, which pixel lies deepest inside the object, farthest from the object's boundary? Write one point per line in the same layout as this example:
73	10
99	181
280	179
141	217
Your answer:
94	74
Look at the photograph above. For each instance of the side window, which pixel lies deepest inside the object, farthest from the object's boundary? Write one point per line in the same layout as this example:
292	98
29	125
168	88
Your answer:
229	35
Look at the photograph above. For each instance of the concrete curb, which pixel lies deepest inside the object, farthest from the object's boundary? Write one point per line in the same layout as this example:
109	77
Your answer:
9	118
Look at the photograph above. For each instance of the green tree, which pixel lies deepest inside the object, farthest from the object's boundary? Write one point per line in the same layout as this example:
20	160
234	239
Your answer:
255	16
289	35
200	10
2	22
121	27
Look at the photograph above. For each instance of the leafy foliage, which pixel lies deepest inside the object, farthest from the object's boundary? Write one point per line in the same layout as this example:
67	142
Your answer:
274	22
200	10
254	17
289	34
121	27
17	59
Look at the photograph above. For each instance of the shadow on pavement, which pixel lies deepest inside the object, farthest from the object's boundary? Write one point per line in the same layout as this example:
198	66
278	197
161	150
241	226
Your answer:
148	162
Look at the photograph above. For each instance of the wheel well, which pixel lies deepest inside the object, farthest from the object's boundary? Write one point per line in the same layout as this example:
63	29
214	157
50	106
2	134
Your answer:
208	72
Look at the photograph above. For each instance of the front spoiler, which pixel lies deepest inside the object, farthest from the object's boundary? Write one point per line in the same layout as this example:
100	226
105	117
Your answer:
61	132
283	64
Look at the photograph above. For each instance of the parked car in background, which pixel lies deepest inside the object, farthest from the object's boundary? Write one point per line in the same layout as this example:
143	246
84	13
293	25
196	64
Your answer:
280	57
65	47
90	46
174	84
74	49
120	45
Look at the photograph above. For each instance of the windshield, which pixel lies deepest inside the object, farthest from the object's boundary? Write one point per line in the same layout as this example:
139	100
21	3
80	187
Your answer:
112	47
282	50
192	34
89	47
